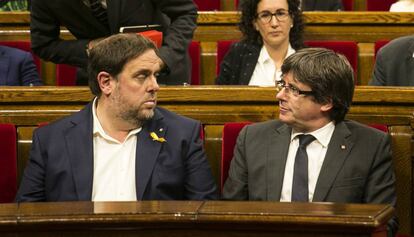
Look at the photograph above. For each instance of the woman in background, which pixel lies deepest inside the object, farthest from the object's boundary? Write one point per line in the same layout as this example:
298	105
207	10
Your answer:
272	30
403	6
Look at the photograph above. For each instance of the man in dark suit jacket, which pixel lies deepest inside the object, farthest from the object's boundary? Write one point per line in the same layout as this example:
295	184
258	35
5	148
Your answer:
17	68
345	162
322	5
177	18
394	64
120	147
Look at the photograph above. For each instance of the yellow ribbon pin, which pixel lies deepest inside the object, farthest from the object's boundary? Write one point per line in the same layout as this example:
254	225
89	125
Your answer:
156	138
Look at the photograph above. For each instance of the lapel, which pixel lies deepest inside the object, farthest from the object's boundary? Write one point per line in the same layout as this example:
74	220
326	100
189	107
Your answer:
78	139
147	152
114	13
4	67
338	149
278	146
253	52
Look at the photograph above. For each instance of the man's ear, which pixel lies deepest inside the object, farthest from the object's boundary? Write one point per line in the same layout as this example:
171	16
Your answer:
104	82
327	106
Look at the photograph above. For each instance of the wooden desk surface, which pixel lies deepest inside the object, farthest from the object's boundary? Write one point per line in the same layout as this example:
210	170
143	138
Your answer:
168	218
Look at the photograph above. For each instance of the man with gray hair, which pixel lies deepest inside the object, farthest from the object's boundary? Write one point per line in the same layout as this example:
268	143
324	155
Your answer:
312	154
120	147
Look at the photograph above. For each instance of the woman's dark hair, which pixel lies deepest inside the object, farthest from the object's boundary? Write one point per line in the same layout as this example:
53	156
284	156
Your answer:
250	34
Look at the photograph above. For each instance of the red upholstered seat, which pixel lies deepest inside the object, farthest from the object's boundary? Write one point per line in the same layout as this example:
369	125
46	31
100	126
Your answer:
379	44
65	75
379	5
25	46
348	5
229	138
348	48
208	5
8	163
223	46
195	53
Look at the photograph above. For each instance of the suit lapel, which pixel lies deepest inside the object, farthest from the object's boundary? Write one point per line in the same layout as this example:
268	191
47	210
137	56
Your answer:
78	140
279	140
4	67
338	149
147	152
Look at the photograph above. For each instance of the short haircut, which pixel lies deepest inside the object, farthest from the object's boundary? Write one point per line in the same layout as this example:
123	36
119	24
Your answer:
249	14
328	74
112	54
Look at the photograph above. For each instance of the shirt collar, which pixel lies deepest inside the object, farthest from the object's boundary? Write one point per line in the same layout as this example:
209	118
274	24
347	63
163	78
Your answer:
323	135
264	55
99	131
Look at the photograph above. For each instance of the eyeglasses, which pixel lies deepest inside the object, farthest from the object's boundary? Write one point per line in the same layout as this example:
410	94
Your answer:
266	16
289	89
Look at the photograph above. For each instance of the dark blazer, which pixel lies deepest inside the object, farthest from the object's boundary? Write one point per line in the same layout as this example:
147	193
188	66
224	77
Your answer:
239	63
394	65
60	166
357	166
178	18
322	5
17	68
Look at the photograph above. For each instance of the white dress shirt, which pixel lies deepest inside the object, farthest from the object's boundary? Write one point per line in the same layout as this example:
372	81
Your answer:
316	151
113	164
402	6
265	73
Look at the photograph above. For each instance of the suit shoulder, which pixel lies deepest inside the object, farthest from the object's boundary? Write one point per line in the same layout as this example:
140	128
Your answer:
365	130
14	52
394	47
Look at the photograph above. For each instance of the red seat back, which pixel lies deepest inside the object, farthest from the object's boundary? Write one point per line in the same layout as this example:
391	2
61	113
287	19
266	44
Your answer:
348	48
208	5
379	5
8	163
25	46
65	75
195	52
379	44
348	5
223	46
229	138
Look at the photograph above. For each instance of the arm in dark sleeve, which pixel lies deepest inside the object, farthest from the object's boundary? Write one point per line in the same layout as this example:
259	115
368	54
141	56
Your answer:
379	77
236	185
28	72
229	67
46	41
199	181
380	186
183	16
32	186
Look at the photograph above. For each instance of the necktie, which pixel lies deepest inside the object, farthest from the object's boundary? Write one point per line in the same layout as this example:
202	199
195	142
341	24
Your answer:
98	11
300	192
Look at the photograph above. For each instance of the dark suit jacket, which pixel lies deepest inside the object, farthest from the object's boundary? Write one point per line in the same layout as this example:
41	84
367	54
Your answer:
322	5
394	65
178	18
60	167
360	173
17	68
239	63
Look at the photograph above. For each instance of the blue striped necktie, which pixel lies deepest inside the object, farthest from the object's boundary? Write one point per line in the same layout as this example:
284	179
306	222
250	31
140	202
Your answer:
99	11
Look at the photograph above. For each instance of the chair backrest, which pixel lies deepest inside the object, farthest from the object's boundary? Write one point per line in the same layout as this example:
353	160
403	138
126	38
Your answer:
195	54
8	163
379	5
229	138
223	46
379	44
348	48
208	5
348	5
25	46
65	75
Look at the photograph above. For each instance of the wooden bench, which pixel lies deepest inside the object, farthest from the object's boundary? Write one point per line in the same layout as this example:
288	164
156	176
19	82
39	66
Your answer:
362	27
27	107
